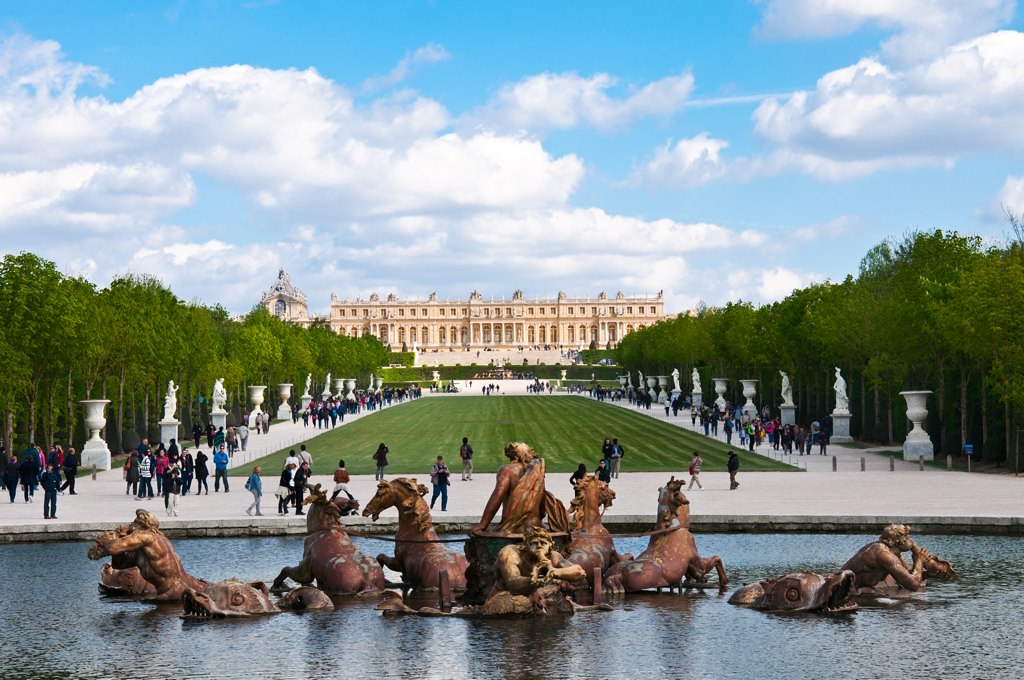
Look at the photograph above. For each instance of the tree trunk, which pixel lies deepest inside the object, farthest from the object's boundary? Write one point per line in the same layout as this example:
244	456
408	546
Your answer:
964	379
863	407
51	421
984	414
942	406
120	406
1009	428
145	414
889	415
71	410
9	428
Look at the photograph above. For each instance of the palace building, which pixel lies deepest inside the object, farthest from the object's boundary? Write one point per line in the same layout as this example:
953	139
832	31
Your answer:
476	324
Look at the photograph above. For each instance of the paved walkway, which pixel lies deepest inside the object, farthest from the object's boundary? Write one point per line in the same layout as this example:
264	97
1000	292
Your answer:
815	498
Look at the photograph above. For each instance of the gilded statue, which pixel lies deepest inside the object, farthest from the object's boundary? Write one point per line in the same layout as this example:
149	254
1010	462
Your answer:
879	565
519	492
530	576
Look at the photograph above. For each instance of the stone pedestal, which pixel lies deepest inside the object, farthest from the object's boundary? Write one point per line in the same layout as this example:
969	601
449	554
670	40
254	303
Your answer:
788	414
168	431
663	388
95	452
697	400
918	443
219	418
307	399
840	427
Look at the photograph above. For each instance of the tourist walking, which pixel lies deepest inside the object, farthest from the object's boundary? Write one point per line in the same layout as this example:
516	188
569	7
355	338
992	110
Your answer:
284	488
695	465
255	486
243	435
28	471
733	465
11	477
160	469
220	469
617	453
197	434
188	471
146	477
301	476
466	454
306	457
70	471
173	488
381	458
50	481
439	477
131	475
202	472
603	472
220	440
606	452
580	473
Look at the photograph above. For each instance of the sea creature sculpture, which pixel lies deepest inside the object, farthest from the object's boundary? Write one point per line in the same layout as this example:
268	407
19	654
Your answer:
228	598
329	556
803	591
671	555
141	544
591	546
418	554
879	568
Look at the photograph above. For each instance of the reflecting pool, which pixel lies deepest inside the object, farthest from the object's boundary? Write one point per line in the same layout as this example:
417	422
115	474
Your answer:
55	624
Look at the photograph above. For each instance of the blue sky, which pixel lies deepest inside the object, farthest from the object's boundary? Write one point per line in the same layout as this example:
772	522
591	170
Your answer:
716	151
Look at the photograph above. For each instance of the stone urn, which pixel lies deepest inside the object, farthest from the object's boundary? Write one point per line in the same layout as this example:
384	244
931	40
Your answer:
378	383
622	381
256	399
721	385
95	452
339	385
918	443
284	392
350	385
652	386
663	389
749	392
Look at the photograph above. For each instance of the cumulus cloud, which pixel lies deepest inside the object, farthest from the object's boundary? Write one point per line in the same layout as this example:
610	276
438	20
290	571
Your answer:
919	28
871	116
559	101
766	285
688	163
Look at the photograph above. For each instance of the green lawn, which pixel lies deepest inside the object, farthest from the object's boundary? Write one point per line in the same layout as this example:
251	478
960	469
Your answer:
566	431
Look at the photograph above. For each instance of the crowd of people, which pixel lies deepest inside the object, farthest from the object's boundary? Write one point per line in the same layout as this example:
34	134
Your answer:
34	470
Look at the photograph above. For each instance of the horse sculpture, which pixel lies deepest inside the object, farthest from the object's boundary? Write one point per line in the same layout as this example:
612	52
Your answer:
671	554
591	546
418	556
329	556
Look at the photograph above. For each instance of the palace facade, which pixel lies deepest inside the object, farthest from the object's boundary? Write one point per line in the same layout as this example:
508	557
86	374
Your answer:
475	324
478	324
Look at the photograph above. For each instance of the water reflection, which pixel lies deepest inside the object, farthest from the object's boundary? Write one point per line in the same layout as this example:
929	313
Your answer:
51	603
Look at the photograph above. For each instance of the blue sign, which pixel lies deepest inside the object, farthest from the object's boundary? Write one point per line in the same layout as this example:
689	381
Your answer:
968	449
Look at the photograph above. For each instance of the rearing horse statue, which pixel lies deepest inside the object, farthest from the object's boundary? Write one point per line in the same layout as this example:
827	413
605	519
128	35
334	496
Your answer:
418	556
591	545
671	554
329	555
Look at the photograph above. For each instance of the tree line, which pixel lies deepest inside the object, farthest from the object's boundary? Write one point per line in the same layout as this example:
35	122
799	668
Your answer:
934	310
63	340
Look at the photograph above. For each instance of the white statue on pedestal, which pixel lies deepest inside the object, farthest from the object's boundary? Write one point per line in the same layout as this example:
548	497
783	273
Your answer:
641	376
309	384
787	389
842	399
696	382
220	395
170	401
675	380
327	385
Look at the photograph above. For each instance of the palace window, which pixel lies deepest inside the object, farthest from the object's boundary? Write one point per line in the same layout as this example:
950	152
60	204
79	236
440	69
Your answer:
652	310
424	310
508	311
629	310
280	308
442	311
341	312
412	312
530	311
570	311
401	312
593	311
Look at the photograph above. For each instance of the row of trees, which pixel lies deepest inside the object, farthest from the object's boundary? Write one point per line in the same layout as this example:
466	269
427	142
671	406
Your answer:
934	310
63	340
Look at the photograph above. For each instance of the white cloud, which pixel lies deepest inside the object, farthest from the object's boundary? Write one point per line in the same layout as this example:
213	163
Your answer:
870	116
690	162
921	28
428	54
766	285
1011	196
565	100
834	228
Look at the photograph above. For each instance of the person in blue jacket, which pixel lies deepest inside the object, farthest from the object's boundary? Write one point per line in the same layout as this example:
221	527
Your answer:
50	481
220	464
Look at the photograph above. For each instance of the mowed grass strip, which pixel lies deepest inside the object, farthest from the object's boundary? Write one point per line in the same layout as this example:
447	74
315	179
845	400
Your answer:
566	431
